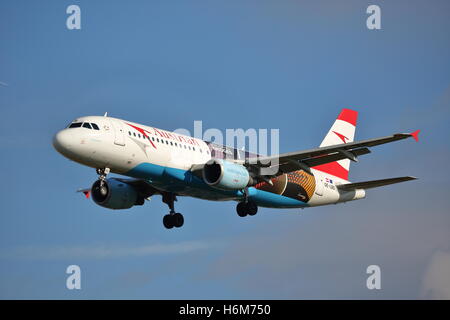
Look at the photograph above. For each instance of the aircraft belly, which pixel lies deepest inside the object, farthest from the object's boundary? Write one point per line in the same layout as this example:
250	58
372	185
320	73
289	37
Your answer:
273	200
185	183
179	181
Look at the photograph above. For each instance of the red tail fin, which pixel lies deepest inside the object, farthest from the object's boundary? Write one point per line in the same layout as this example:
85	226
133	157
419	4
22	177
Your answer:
342	131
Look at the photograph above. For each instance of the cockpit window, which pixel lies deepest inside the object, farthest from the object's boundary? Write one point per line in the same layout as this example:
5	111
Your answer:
95	126
75	125
87	125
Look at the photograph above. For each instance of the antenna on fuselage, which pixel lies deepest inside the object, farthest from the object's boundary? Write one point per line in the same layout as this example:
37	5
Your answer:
106	114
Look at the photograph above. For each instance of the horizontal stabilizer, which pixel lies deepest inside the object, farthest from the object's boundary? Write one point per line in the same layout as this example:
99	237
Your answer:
373	183
86	192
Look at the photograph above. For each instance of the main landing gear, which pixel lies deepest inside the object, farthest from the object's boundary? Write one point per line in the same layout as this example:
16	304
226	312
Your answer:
173	219
246	208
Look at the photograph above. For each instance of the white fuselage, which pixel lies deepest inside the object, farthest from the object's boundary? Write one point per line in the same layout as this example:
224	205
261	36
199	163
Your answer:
164	158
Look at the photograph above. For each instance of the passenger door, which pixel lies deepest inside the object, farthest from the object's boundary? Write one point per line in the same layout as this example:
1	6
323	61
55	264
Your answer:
119	134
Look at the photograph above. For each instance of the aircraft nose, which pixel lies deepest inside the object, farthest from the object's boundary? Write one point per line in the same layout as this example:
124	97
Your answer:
63	141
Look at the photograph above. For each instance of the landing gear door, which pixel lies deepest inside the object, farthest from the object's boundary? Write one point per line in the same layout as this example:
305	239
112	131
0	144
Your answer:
119	134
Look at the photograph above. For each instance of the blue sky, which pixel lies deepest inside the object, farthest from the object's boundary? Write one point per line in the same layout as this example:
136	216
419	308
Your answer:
289	65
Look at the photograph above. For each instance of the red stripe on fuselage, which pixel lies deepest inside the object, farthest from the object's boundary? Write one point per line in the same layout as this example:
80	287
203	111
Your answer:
333	168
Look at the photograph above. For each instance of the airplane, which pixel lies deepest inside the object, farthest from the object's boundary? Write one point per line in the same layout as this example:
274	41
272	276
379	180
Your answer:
159	162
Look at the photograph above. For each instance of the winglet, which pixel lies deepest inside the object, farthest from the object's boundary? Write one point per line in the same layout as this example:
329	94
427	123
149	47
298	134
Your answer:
415	135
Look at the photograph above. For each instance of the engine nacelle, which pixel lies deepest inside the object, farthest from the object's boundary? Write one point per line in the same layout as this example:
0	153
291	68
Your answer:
225	175
115	194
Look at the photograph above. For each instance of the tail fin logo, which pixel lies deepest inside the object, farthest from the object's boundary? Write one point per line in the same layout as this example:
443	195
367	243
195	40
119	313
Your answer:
341	136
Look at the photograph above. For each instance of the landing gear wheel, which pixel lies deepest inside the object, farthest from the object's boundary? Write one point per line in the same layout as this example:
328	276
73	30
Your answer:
252	208
168	221
173	219
241	209
178	220
246	208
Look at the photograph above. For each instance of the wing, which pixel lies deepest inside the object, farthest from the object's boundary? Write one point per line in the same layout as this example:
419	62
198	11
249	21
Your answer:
304	160
373	183
144	187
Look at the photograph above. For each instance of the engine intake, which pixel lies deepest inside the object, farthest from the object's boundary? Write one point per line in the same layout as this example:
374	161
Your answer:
225	175
115	194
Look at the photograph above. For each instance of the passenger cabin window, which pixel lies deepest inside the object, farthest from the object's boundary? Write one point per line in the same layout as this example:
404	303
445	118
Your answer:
95	126
75	125
87	125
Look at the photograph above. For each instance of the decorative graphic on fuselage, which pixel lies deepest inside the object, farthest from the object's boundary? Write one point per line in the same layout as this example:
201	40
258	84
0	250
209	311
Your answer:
219	151
156	136
298	185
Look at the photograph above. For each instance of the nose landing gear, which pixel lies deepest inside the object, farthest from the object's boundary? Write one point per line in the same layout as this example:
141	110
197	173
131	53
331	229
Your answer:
173	219
102	173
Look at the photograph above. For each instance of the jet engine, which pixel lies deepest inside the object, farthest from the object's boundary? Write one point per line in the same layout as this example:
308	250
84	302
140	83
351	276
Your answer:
114	194
226	175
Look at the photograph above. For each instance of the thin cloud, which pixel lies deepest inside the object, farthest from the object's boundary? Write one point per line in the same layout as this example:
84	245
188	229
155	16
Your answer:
324	252
436	113
102	251
436	281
